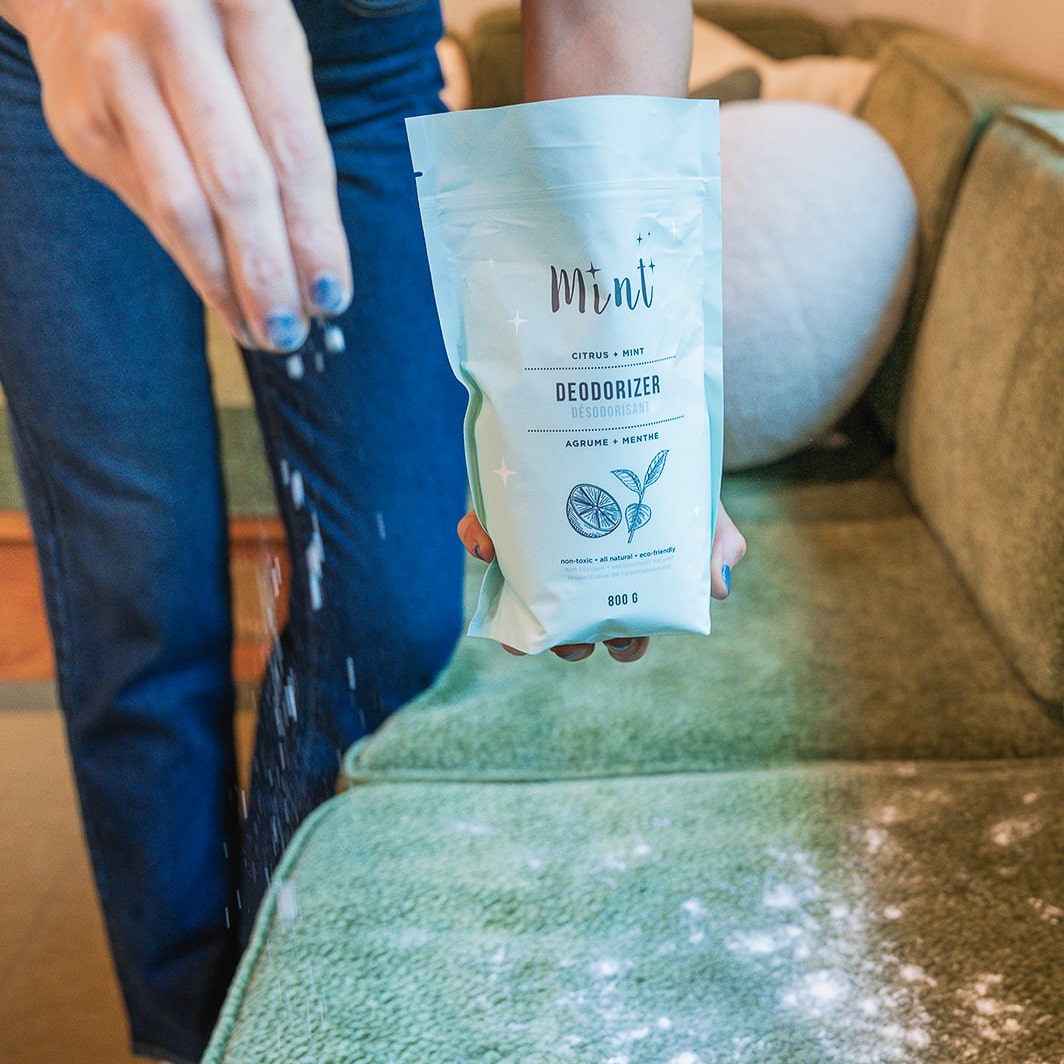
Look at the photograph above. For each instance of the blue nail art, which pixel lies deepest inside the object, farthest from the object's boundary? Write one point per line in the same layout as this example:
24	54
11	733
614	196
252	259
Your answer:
574	655
621	646
725	572
285	330
328	294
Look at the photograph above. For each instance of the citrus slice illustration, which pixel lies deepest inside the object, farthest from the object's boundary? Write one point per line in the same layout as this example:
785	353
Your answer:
592	511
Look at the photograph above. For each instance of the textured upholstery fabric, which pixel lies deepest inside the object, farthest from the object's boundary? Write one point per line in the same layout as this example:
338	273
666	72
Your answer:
848	637
931	100
982	441
858	914
741	84
778	30
864	37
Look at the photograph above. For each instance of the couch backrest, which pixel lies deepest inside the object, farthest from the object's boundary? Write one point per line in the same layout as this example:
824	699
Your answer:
981	431
932	97
779	31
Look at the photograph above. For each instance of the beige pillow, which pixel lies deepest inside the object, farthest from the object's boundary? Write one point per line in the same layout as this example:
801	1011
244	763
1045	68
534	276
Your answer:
836	81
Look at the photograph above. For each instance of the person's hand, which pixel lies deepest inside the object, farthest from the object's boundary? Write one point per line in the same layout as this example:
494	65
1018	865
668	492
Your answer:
202	116
729	546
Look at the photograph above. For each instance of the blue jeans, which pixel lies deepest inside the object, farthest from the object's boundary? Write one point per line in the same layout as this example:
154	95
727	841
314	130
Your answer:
102	359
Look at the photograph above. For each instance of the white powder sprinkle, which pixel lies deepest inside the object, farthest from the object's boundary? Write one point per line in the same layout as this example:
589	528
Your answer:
780	896
334	340
1009	832
694	908
287	904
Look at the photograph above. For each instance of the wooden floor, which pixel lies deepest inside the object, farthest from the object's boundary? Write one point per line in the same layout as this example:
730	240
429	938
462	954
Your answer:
59	998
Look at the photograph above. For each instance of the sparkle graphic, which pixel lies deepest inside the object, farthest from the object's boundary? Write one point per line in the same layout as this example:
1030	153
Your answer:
517	321
592	270
505	473
674	230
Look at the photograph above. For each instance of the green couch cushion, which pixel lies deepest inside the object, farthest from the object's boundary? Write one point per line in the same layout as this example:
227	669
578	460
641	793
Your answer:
849	913
847	637
780	31
932	99
982	431
496	60
741	84
863	38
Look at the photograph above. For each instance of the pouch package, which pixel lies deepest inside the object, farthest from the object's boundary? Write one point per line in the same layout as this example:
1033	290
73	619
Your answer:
575	252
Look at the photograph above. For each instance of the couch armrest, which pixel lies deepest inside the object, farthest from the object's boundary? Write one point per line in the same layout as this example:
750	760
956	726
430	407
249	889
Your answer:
931	99
981	441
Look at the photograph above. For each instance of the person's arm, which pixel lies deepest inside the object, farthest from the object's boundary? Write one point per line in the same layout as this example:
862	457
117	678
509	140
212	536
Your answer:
202	116
591	47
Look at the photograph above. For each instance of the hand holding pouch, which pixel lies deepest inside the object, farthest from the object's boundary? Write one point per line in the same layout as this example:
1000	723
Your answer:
575	251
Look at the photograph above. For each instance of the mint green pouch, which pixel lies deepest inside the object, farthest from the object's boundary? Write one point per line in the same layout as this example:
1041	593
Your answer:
575	251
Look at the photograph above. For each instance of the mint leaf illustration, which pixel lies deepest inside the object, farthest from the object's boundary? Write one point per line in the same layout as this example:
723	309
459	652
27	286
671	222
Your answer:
638	513
635	516
654	470
629	480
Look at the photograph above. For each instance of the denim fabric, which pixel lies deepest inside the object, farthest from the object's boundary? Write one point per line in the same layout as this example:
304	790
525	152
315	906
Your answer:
102	358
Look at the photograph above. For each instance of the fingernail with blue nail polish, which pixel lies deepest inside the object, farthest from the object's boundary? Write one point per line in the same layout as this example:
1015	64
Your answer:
285	330
621	646
574	655
725	572
328	294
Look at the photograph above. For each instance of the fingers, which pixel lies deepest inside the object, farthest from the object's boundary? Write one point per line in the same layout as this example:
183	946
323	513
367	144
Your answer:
155	176
625	650
729	548
475	539
478	543
202	115
213	116
284	106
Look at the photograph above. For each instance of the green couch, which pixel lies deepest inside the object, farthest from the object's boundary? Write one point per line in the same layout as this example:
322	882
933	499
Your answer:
833	830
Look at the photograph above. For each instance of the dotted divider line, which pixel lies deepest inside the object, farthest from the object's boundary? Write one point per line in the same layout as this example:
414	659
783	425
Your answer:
597	363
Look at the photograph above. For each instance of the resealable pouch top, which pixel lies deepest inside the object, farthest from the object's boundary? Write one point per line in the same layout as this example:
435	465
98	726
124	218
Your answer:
575	251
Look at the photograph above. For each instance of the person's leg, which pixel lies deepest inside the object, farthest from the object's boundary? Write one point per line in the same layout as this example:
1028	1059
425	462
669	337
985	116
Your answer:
366	444
101	357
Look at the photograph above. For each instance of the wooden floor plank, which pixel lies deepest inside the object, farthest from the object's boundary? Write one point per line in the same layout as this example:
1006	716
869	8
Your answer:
260	574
